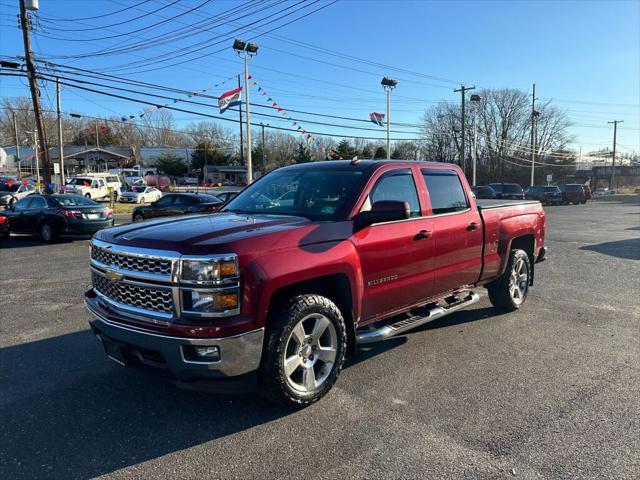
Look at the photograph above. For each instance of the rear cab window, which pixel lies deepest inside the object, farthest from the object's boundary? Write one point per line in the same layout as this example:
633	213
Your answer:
445	191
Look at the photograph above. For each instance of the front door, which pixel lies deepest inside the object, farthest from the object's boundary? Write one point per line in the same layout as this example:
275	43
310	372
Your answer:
396	257
457	228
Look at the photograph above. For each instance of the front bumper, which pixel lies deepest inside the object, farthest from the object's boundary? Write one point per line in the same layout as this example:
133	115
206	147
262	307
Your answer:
124	199
239	355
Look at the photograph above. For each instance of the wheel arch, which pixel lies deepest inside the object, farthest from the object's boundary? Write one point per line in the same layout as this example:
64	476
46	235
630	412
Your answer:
336	287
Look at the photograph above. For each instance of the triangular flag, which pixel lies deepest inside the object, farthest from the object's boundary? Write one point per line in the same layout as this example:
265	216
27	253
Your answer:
259	89
295	123
254	84
264	93
269	99
274	104
250	77
279	108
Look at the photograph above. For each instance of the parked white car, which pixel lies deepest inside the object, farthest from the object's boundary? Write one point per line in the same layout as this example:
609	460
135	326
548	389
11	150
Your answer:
141	195
9	194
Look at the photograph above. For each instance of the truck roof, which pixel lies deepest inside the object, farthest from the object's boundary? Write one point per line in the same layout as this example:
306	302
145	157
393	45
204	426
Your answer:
366	164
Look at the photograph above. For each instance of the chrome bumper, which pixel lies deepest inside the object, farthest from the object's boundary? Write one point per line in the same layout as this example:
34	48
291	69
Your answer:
239	354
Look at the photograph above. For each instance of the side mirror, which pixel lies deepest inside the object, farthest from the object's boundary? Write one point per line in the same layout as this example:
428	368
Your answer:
384	211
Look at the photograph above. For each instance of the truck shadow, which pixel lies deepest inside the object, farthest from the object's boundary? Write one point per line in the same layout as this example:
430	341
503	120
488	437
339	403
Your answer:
628	249
69	413
24	241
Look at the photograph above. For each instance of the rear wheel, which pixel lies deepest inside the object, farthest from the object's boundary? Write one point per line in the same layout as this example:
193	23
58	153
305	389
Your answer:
138	217
88	195
47	233
303	352
510	290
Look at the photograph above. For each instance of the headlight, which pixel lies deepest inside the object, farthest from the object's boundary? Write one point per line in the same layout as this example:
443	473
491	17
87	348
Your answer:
210	270
200	301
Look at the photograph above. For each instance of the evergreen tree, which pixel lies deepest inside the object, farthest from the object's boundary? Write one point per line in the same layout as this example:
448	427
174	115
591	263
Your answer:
207	154
381	153
171	164
302	155
345	150
366	152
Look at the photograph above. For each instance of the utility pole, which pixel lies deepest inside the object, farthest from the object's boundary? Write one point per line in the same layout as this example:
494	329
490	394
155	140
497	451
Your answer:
475	100
264	161
241	140
462	91
534	114
60	147
25	25
97	136
613	158
15	129
388	84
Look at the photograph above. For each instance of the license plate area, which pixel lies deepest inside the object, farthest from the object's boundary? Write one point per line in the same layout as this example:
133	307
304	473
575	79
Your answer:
113	351
92	216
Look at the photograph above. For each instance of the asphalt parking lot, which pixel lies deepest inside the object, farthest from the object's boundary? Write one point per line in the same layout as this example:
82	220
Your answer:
551	391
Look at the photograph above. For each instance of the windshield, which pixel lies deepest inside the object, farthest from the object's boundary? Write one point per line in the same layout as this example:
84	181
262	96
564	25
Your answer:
312	193
6	188
204	198
73	201
511	188
80	182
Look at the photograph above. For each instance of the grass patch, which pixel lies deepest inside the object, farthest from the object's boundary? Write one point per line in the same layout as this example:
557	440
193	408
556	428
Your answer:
124	207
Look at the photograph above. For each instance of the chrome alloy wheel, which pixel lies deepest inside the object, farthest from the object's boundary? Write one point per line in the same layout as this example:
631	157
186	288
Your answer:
519	281
310	353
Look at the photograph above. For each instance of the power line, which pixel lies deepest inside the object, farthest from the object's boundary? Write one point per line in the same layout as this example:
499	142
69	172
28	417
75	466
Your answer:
104	15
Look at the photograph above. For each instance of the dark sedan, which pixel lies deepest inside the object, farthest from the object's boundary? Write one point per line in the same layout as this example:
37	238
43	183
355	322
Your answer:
50	216
483	192
572	193
544	194
508	191
173	204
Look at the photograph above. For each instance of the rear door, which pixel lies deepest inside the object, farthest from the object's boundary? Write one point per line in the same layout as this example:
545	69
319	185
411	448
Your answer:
32	214
396	257
457	231
162	207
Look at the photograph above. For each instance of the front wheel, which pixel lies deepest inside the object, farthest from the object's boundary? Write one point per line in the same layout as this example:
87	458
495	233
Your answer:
138	217
510	290
304	351
88	195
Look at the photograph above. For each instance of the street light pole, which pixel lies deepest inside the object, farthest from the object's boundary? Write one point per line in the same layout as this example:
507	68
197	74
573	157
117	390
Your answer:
388	84
60	147
264	162
15	129
463	159
248	109
246	50
534	114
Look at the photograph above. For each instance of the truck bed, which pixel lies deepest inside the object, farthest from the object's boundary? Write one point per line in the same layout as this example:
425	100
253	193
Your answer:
487	203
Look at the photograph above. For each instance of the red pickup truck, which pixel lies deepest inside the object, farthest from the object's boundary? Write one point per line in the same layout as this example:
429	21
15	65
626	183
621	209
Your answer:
301	267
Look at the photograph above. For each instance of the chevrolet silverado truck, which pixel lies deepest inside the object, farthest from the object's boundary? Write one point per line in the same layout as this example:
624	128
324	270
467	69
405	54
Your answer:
275	289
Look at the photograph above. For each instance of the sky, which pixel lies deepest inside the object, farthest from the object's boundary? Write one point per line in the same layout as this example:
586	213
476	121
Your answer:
584	56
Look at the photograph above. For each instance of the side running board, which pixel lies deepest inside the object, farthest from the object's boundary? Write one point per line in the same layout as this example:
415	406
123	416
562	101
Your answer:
391	330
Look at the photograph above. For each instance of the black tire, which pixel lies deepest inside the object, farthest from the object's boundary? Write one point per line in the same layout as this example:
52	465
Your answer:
12	201
273	382
583	202
48	233
138	217
500	290
88	195
576	203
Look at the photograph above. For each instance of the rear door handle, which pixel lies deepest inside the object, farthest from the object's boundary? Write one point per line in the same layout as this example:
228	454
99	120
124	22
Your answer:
422	234
472	226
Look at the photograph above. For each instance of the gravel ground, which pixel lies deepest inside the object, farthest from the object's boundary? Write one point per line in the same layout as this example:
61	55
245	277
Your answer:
551	391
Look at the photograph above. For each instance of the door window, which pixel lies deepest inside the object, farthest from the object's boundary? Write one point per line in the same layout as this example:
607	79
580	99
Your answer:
166	200
37	203
445	191
22	204
397	185
184	200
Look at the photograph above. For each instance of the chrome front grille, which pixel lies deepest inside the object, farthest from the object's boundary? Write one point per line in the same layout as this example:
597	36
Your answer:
147	298
133	263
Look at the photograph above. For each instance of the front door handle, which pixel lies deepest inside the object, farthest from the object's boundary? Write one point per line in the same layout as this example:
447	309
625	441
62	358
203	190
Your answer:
472	226
422	234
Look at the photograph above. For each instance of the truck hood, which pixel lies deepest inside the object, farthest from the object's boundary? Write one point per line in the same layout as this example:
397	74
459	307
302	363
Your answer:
200	234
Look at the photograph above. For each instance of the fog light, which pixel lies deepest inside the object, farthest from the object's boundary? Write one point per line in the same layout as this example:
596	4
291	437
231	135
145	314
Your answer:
210	353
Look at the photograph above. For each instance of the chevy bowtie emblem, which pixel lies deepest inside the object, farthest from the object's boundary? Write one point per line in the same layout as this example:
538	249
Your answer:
113	276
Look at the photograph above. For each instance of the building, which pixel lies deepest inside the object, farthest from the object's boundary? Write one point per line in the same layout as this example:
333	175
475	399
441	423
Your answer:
225	174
